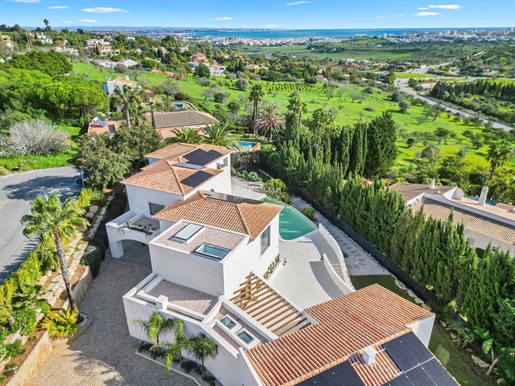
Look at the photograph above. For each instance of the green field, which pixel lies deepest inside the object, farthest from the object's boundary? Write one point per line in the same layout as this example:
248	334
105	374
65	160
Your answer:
440	344
348	112
43	162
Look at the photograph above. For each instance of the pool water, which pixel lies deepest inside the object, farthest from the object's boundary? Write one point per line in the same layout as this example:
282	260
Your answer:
247	144
292	223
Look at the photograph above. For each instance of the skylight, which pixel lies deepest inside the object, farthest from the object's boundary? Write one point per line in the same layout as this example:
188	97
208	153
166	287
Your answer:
187	232
245	336
212	251
228	322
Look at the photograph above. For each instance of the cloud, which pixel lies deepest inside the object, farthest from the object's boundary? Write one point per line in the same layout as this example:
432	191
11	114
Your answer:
58	7
271	25
485	4
426	14
296	3
103	10
422	8
380	17
25	1
89	21
447	6
400	14
66	21
223	18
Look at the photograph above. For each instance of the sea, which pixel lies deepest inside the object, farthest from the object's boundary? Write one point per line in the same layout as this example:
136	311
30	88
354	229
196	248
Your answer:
327	33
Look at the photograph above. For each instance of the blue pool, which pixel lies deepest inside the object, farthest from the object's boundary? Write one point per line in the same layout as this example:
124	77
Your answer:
247	144
292	223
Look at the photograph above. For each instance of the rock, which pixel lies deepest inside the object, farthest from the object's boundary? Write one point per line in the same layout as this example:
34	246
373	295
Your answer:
443	324
109	199
419	301
93	208
468	349
90	215
103	211
426	307
479	362
500	380
411	294
400	284
454	336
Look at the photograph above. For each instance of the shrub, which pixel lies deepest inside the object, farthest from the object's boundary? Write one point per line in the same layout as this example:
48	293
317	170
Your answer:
242	84
11	365
33	138
14	349
92	257
309	213
369	108
24	320
84	199
61	324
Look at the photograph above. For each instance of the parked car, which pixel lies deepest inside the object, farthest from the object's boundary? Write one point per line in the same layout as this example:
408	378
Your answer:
82	179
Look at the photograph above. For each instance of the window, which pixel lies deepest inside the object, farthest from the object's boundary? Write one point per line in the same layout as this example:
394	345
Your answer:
187	232
154	208
245	336
228	322
265	239
471	241
212	251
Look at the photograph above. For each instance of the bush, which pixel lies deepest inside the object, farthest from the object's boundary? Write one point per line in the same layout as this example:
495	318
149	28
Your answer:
33	138
24	320
92	257
62	324
14	349
309	213
242	84
276	189
84	199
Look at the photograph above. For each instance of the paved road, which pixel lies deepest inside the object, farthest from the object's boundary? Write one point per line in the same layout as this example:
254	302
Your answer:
16	190
402	84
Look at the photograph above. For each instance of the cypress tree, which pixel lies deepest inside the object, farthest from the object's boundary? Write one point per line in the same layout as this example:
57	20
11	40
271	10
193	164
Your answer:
381	145
358	149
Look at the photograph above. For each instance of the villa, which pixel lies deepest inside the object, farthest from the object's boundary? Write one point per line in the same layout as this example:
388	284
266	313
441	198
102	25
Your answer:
261	281
485	222
110	85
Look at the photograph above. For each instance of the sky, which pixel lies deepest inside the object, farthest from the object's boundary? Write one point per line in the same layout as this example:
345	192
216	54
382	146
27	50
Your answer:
287	14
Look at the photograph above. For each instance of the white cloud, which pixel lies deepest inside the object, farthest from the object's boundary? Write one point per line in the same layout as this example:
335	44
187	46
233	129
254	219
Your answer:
25	1
58	7
223	18
485	4
422	8
400	14
426	14
446	6
103	10
89	21
296	3
66	21
380	17
271	25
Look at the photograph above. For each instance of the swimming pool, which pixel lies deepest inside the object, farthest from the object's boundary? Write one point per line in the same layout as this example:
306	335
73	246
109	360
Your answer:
249	145
292	223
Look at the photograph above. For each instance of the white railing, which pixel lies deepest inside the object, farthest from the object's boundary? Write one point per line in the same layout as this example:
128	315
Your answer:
335	277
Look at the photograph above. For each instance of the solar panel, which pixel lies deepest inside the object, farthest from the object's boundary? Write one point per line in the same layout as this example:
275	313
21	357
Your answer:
419	377
400	355
201	157
340	375
438	374
196	179
416	347
233	199
401	380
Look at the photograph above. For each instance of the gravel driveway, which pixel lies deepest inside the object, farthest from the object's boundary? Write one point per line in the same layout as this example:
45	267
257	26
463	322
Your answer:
105	353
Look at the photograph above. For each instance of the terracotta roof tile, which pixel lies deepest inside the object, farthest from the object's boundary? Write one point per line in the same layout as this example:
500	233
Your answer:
346	325
248	216
177	150
165	177
379	373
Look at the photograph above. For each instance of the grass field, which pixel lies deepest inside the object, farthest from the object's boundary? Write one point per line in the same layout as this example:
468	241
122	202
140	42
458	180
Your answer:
348	112
44	162
440	344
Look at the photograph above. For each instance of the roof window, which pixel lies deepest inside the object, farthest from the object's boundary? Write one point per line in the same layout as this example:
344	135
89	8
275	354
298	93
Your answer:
187	232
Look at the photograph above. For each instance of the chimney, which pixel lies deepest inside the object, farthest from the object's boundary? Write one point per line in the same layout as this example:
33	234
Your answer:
127	77
369	355
432	184
482	197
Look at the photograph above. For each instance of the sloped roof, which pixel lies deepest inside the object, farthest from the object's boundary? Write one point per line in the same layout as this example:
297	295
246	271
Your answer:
223	211
166	177
346	325
410	191
491	228
186	118
177	150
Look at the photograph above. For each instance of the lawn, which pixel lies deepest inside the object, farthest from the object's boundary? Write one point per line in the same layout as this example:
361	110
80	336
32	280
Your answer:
44	162
440	343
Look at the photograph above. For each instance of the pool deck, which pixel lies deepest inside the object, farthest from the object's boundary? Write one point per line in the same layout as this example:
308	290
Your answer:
303	279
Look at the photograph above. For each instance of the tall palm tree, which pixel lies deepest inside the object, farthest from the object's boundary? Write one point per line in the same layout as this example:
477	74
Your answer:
499	153
269	121
181	342
155	326
187	135
50	216
203	348
138	115
256	94
124	97
298	107
218	133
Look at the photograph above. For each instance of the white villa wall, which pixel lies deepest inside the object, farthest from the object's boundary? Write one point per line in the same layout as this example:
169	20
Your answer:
423	329
229	367
248	259
139	199
482	241
202	274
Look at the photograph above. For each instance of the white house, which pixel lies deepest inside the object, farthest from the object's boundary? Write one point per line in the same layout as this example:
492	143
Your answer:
484	223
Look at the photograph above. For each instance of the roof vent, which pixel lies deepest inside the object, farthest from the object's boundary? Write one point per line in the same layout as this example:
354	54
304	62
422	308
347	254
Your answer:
369	355
482	197
432	184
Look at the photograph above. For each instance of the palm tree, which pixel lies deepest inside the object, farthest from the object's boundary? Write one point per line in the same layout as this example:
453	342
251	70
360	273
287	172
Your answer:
298	107
124	97
187	135
155	326
499	153
181	342
203	348
256	93
218	133
269	121
46	22
138	115
49	215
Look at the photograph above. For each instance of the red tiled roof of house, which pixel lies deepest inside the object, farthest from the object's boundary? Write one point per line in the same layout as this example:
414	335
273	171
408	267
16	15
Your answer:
346	325
177	150
165	177
221	211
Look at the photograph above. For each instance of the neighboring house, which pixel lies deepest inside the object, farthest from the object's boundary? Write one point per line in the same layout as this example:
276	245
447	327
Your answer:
207	250
6	39
484	223
198	58
128	63
43	39
178	120
98	126
110	85
217	70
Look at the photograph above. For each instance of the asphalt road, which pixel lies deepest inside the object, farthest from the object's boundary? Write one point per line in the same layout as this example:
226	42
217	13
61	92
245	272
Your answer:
402	84
16	190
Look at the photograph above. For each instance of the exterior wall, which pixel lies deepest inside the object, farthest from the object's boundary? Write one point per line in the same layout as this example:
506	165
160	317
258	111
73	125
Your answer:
139	199
192	271
423	329
482	241
223	182
229	366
